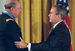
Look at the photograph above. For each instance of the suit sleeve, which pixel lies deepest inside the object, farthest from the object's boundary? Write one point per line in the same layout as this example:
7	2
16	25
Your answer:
39	47
61	38
57	41
13	30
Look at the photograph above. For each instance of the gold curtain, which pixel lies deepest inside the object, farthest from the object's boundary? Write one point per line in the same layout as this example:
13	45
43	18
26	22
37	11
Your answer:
34	19
72	5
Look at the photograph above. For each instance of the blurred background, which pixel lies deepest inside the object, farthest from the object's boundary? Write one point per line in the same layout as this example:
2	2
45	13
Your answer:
34	21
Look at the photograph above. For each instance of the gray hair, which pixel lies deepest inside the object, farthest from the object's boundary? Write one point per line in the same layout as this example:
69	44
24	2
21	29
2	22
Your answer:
61	10
9	5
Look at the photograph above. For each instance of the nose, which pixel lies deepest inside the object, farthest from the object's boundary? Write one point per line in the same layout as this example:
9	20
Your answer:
49	15
20	10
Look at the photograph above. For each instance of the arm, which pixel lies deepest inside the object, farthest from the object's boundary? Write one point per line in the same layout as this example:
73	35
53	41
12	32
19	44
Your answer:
13	30
57	41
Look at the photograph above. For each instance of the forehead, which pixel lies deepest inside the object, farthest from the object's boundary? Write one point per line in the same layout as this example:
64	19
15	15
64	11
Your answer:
53	9
18	4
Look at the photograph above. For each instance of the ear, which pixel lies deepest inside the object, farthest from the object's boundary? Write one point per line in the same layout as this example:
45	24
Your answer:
12	9
59	15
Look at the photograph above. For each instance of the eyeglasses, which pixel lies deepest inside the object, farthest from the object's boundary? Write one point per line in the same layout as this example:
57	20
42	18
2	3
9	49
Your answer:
18	8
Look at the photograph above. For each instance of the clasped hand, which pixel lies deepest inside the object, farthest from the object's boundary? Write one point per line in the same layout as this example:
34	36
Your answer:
21	44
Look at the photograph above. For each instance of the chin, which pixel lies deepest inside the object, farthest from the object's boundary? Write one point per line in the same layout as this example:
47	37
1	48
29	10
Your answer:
50	21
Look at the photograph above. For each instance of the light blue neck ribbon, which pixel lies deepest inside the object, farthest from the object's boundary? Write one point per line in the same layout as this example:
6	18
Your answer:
10	15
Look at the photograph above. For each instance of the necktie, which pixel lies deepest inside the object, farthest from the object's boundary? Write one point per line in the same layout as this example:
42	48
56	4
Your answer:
51	30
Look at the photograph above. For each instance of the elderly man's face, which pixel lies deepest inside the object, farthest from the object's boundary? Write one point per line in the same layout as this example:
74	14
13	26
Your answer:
16	12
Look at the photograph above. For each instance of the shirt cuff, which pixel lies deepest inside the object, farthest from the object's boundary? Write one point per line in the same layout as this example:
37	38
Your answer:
29	46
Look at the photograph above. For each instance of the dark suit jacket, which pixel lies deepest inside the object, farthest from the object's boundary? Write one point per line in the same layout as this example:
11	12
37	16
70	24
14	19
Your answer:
9	33
58	40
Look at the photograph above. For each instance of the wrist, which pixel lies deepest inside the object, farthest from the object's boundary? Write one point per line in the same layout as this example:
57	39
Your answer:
29	46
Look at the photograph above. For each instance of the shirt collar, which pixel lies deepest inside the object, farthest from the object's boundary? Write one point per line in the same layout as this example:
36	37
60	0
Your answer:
56	24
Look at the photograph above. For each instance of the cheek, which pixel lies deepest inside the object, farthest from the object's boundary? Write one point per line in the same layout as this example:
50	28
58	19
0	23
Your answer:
52	17
18	13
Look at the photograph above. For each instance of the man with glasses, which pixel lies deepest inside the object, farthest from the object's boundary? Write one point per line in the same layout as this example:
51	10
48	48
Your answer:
9	30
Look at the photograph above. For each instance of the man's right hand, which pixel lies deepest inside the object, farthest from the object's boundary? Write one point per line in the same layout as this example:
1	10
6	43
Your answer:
21	44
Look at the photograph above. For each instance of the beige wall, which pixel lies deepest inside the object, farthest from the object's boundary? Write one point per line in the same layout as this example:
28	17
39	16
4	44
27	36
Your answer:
2	2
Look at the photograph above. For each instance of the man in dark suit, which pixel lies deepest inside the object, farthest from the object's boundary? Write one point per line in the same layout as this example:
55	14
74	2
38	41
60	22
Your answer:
59	38
9	30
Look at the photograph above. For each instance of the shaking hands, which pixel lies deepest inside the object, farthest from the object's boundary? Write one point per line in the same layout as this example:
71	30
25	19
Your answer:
21	44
